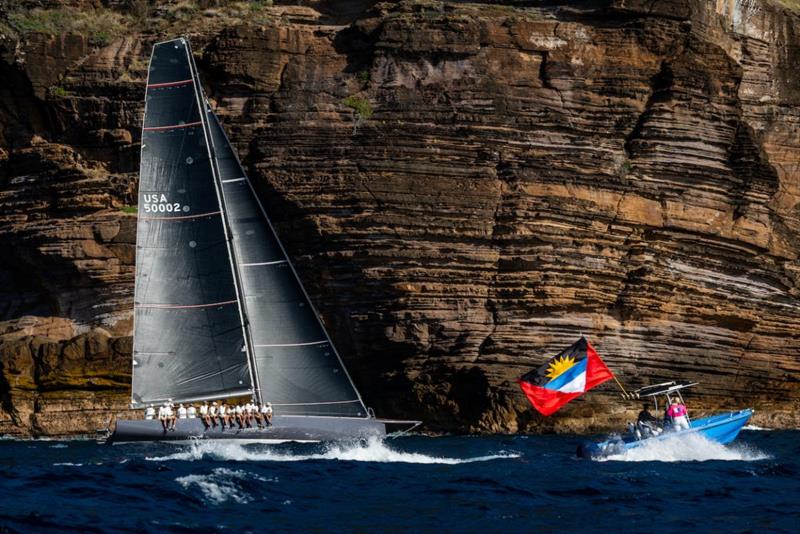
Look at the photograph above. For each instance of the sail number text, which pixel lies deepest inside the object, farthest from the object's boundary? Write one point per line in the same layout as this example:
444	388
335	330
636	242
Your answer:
158	203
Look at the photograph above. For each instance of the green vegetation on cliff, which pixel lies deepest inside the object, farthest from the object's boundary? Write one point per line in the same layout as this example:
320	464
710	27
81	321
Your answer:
99	25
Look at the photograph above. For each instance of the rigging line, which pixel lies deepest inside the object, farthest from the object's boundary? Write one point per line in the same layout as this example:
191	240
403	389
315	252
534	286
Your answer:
232	180
171	127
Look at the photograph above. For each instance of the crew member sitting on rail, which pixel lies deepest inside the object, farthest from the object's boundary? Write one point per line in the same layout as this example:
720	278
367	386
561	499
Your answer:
172	415
212	414
182	412
162	416
204	415
266	413
150	412
647	424
239	411
677	415
224	415
249	414
191	412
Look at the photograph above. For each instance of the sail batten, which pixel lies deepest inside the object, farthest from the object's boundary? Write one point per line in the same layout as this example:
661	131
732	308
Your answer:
187	328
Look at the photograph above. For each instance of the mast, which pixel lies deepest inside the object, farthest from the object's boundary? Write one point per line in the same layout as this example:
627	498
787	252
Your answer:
202	103
204	107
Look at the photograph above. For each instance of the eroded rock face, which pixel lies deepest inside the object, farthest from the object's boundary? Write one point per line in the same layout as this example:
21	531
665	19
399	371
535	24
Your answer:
619	169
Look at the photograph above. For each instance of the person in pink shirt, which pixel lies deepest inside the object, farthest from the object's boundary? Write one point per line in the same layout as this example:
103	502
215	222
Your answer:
677	415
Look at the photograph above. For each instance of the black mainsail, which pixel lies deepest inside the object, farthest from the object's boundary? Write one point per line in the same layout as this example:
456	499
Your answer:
188	335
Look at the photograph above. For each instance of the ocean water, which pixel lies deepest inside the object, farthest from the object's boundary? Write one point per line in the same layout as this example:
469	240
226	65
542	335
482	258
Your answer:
422	484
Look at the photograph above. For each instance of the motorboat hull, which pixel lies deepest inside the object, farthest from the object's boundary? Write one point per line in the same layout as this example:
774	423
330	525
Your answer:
283	428
721	428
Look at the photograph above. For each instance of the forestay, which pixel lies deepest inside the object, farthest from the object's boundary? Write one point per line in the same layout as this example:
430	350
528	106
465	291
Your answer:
188	335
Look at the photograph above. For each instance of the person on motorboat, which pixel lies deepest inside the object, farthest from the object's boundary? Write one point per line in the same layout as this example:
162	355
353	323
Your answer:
677	415
150	413
647	424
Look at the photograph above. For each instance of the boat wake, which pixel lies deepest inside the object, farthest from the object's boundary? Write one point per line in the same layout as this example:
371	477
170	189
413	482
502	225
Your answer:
691	448
373	450
222	485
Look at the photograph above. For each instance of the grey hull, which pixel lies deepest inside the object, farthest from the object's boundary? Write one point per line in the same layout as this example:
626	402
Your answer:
284	428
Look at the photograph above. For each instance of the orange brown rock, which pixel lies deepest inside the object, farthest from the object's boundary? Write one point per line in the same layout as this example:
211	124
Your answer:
624	170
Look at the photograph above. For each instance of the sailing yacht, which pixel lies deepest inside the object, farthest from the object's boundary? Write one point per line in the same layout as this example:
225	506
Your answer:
219	310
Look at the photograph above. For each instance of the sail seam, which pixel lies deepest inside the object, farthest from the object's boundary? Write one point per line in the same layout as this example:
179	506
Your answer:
183	306
172	126
262	263
315	403
169	84
293	344
182	216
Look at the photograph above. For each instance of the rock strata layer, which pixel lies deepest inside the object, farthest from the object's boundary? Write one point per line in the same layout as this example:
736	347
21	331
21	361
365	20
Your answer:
464	189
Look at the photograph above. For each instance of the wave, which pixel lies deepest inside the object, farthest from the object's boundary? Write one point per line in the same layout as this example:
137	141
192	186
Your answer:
689	448
373	450
221	485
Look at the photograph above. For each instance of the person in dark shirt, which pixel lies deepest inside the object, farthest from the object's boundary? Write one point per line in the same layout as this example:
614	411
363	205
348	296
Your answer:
648	424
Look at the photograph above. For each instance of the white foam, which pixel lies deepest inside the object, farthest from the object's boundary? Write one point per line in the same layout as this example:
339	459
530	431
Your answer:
373	450
756	427
221	485
69	464
689	448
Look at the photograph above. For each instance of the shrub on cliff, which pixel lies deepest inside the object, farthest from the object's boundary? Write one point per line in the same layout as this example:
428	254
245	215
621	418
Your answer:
98	25
361	107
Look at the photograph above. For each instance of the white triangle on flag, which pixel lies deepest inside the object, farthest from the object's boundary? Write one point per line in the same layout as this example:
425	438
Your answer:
576	385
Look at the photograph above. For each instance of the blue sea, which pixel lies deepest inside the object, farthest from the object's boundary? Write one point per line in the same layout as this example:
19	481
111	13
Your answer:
416	483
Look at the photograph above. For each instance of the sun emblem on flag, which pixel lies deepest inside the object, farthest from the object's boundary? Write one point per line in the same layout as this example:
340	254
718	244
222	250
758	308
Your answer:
558	366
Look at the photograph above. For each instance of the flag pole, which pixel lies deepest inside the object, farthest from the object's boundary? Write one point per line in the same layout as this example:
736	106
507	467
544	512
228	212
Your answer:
625	394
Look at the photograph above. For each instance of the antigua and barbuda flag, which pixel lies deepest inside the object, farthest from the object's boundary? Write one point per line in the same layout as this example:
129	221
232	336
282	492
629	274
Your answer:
569	374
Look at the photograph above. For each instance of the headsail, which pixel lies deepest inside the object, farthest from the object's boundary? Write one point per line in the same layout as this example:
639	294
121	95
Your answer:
188	336
296	365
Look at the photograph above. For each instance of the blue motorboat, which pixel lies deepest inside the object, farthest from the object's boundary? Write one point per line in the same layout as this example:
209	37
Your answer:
721	428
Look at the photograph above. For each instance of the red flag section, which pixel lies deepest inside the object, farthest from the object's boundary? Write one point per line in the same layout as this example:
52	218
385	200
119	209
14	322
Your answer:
566	376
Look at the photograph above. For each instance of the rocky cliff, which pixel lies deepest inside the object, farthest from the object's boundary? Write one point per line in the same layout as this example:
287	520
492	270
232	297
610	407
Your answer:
464	188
